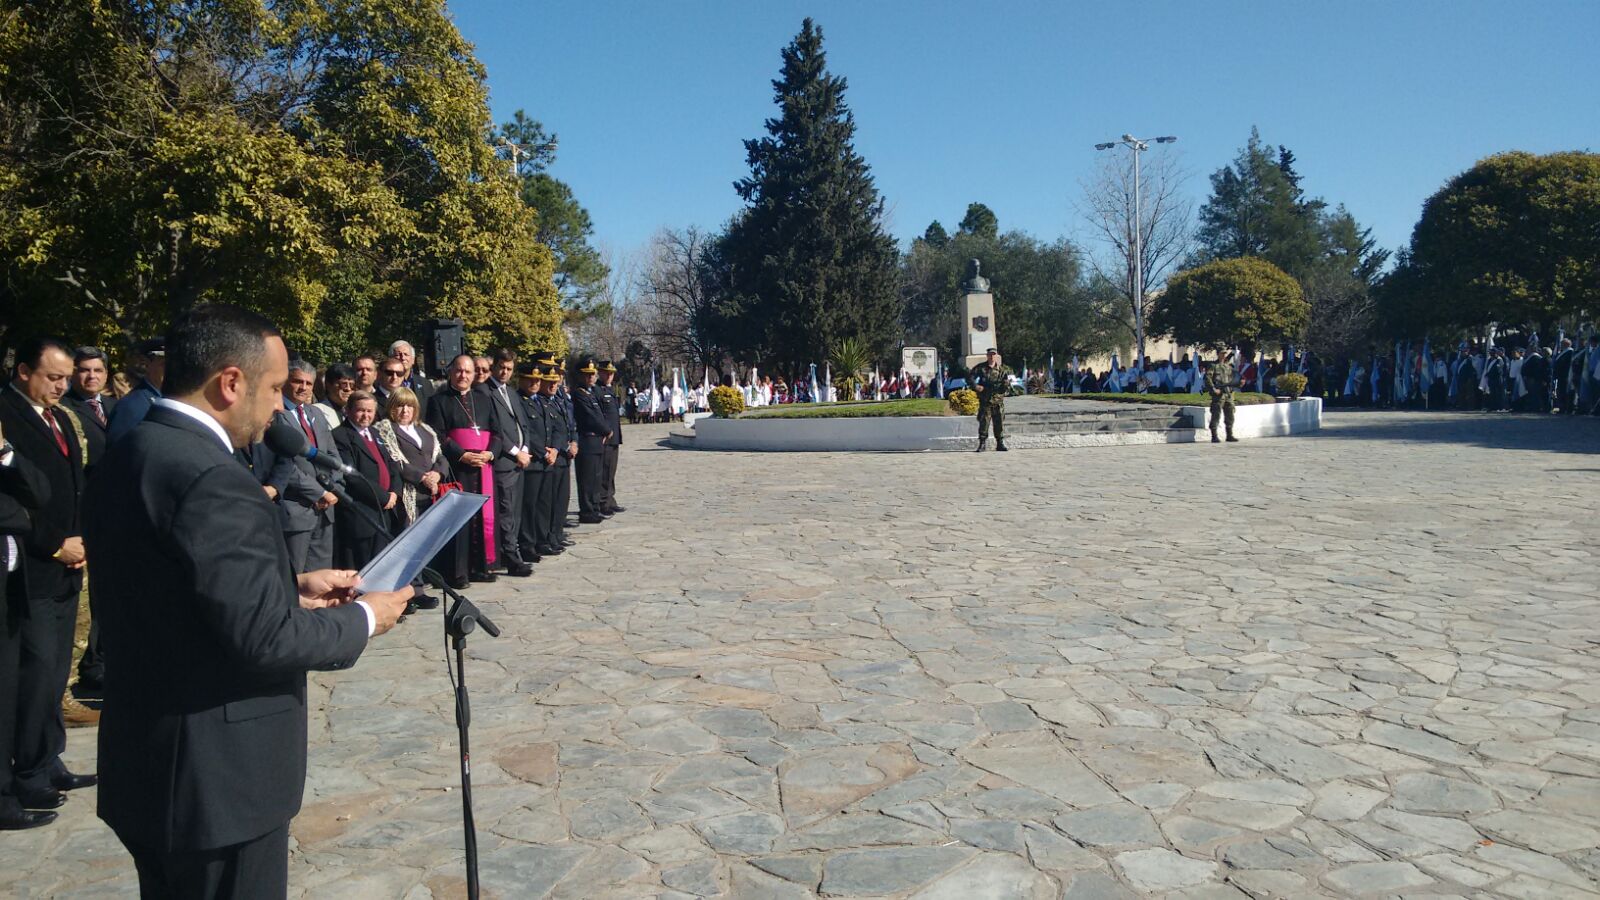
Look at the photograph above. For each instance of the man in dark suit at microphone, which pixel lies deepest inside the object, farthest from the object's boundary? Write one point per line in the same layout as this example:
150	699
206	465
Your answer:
208	627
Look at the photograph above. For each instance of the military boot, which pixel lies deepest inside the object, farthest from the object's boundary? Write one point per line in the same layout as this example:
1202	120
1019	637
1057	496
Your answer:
982	446
1214	438
1231	438
1000	445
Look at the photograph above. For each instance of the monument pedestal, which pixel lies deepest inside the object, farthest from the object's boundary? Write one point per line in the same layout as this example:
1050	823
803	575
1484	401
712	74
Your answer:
977	327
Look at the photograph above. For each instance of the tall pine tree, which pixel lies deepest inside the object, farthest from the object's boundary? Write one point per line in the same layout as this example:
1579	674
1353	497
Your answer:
807	263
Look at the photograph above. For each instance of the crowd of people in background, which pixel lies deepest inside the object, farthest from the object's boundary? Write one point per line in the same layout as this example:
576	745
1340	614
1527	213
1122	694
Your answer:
1512	375
516	430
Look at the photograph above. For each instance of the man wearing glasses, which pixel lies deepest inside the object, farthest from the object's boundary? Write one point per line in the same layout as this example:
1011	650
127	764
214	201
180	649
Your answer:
391	377
416	379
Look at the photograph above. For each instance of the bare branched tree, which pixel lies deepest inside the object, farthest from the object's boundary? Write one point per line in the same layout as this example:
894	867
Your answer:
1343	312
676	301
616	315
1166	225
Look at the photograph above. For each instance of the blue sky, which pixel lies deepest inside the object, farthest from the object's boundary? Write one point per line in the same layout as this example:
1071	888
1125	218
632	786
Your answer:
1002	102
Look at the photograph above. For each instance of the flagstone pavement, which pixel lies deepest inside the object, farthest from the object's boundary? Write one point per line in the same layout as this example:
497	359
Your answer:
1363	662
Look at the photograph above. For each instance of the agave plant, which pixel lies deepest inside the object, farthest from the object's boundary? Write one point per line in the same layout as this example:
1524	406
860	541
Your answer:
851	361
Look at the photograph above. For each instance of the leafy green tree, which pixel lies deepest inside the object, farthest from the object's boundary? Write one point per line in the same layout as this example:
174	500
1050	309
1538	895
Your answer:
564	225
1256	208
1513	240
807	262
980	221
935	234
324	162
1232	301
1043	305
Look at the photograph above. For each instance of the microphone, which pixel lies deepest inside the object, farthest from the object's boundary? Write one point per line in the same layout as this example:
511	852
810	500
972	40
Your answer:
463	615
285	439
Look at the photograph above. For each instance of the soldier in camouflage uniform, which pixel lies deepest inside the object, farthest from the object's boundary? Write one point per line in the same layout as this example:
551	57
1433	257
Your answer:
1221	379
991	380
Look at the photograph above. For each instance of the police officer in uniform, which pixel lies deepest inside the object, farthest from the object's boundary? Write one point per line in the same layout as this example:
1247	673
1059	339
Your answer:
594	429
1221	379
991	379
613	448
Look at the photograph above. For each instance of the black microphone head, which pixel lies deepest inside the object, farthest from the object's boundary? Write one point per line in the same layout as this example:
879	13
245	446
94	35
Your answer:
284	439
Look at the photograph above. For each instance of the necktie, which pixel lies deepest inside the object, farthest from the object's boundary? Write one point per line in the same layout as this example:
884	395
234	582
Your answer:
372	451
506	399
311	434
61	439
99	414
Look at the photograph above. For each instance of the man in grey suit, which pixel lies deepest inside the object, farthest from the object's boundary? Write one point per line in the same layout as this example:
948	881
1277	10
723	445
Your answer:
306	494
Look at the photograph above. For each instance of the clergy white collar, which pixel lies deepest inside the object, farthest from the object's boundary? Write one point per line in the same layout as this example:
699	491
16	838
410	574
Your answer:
195	413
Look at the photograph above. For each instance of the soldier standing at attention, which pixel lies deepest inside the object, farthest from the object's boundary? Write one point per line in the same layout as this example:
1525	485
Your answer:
991	380
1221	379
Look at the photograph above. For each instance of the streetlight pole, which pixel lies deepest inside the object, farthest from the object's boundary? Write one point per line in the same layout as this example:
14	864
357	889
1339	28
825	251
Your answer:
516	151
1137	146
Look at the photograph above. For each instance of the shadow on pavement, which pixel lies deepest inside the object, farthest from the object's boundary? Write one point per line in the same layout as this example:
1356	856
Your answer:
1498	431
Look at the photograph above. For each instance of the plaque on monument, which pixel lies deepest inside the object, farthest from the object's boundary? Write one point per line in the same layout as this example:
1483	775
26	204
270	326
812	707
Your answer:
977	316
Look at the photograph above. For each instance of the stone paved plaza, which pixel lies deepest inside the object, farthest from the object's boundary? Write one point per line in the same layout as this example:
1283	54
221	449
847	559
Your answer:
1364	662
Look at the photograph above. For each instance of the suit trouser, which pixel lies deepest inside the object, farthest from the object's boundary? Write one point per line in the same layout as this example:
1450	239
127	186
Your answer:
10	668
563	502
608	477
589	466
531	534
311	550
508	514
257	869
44	663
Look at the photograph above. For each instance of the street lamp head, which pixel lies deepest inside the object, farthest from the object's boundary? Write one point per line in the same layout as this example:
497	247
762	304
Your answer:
1104	146
1130	139
1166	140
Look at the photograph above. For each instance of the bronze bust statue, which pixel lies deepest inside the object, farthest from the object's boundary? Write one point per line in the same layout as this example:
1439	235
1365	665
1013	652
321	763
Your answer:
975	283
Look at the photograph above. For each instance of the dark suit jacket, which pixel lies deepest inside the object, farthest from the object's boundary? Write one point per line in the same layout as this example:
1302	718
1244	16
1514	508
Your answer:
556	427
353	451
93	431
44	576
300	484
510	419
422	387
419	457
23	492
203	736
131	410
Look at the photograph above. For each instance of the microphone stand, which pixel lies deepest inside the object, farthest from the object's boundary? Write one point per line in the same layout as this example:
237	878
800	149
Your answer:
460	620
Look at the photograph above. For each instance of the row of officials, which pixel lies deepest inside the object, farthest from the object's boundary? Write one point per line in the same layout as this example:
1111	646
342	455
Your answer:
518	436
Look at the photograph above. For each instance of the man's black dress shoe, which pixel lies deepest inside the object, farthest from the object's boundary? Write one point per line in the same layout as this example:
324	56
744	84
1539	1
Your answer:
567	543
66	781
616	509
484	577
458	583
24	819
550	551
591	520
519	570
425	601
45	799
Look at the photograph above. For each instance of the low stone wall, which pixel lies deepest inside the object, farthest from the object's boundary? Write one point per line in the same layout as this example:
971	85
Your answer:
1267	419
918	433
